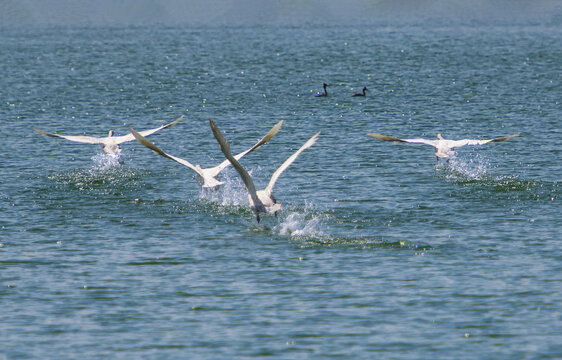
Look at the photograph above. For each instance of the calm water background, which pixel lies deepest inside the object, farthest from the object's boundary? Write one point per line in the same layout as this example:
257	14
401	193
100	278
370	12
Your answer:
379	252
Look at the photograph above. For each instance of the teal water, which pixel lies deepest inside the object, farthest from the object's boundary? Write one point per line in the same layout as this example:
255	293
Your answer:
378	252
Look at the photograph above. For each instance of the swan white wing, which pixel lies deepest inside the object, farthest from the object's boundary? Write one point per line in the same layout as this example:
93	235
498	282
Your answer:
159	151
422	141
82	139
289	161
414	141
217	169
463	142
246	178
130	137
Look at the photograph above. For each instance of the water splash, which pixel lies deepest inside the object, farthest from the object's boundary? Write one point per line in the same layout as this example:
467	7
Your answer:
302	224
475	171
298	224
231	193
459	169
104	161
292	221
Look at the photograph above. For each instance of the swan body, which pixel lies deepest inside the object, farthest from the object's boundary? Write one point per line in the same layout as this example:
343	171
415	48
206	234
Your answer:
260	200
325	93
444	148
363	93
206	177
109	144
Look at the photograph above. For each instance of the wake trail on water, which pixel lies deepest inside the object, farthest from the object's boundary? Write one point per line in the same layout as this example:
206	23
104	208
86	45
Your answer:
306	224
475	171
107	174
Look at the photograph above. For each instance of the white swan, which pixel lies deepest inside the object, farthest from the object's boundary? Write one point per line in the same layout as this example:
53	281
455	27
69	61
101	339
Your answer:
445	148
207	178
260	200
109	144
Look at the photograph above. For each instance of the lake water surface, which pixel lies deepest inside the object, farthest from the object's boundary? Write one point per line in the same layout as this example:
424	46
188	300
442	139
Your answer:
379	251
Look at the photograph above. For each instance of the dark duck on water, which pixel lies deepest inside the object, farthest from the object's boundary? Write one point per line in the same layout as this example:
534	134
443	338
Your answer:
361	93
325	93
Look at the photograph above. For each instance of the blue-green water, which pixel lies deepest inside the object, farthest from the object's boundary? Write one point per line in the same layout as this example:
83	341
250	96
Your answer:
378	252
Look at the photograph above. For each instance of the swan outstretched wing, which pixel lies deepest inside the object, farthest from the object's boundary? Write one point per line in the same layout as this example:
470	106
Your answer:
463	142
414	141
217	169
289	161
504	138
159	151
106	140
385	138
130	137
246	178
82	139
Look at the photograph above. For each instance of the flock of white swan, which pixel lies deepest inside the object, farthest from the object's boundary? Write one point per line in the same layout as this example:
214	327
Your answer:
261	201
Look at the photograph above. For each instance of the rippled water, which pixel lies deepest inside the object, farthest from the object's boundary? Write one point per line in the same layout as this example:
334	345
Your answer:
379	250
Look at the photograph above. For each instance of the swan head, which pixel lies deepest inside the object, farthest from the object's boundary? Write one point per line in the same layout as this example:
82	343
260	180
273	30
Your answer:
440	137
110	133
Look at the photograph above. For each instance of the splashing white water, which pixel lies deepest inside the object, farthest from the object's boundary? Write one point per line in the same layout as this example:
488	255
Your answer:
296	222
474	168
231	192
302	224
104	161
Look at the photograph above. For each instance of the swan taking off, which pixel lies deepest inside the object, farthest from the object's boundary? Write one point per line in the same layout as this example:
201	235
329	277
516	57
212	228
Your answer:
445	148
260	200
207	178
109	144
